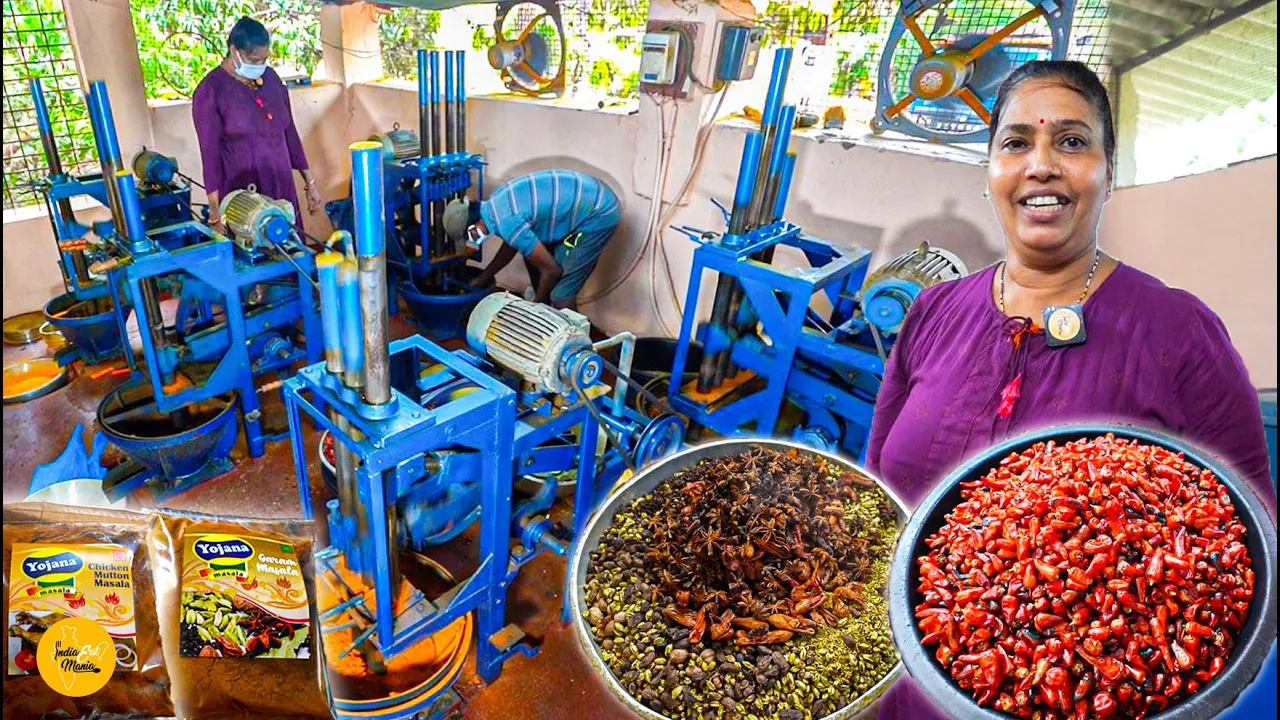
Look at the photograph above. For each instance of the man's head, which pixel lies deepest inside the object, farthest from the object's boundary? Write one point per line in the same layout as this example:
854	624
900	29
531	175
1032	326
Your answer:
460	217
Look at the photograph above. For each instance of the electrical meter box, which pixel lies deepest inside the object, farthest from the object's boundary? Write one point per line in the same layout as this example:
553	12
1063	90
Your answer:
739	52
659	53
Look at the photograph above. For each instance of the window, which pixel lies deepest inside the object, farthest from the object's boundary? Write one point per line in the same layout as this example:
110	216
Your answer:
36	45
1203	105
179	41
602	39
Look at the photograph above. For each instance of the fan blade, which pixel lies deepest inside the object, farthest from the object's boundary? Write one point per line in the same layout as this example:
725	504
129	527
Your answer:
996	37
529	28
533	74
921	39
900	105
974	104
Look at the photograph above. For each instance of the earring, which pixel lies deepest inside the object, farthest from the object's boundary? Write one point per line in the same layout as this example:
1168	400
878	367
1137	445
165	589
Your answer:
986	192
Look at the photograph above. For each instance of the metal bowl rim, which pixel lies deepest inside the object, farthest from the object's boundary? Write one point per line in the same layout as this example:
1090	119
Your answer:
583	545
1207	702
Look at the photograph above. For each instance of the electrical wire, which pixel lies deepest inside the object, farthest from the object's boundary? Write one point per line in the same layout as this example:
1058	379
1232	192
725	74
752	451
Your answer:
653	234
640	254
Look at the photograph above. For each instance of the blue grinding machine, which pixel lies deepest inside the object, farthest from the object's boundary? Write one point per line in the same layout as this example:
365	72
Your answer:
422	172
428	442
240	312
765	351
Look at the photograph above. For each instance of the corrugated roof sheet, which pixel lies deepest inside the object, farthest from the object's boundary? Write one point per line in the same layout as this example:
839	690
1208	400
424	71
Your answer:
1179	71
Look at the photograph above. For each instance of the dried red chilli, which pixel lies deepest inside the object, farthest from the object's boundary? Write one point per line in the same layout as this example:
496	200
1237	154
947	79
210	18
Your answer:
1097	579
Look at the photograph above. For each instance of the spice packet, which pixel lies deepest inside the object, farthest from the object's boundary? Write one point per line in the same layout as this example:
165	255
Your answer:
93	564
236	602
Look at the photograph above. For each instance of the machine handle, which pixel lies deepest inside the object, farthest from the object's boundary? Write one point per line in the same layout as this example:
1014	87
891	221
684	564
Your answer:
696	235
723	210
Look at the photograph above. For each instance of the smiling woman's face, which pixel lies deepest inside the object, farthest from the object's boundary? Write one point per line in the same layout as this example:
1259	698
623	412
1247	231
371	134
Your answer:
1048	172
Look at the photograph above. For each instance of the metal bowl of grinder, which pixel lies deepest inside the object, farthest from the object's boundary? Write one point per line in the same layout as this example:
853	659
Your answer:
862	707
1252	643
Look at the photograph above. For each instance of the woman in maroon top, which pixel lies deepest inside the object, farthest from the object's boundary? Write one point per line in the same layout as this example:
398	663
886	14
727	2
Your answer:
974	364
245	125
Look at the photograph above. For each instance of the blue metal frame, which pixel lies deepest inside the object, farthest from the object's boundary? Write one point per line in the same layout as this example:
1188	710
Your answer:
502	433
811	367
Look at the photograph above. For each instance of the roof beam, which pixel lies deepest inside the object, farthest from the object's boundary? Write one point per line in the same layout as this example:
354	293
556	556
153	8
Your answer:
1219	20
1137	37
1138	20
1195	66
1194	96
1187	13
1169	107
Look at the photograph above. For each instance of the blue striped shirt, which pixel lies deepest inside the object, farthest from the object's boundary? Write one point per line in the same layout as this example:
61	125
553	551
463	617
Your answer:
546	206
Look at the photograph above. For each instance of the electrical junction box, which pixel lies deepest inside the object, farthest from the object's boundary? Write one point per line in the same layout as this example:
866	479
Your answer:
739	52
659	57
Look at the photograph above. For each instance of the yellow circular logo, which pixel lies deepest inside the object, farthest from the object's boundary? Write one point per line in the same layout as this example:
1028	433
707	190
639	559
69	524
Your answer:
1064	324
76	657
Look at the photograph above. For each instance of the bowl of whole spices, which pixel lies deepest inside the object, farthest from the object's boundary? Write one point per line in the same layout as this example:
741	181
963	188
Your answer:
741	579
1086	571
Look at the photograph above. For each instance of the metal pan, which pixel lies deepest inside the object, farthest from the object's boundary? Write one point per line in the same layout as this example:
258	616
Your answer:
1252	644
22	380
641	485
23	329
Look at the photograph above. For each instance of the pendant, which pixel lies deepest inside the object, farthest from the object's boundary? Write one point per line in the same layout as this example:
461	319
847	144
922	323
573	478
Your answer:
1064	325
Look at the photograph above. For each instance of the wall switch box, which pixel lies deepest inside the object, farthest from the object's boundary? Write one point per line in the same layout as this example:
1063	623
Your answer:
659	57
668	52
739	52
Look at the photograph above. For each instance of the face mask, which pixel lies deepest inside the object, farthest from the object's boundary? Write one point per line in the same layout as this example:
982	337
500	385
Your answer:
247	70
476	236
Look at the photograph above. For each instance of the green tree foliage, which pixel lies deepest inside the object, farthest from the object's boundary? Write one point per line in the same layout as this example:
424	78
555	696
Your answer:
403	32
179	41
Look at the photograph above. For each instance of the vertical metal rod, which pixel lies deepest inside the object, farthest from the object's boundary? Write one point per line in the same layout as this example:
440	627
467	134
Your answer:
78	265
437	208
344	465
769	127
425	127
450	97
784	188
777	165
366	175
327	264
433	60
352	327
98	120
737	221
460	101
424	114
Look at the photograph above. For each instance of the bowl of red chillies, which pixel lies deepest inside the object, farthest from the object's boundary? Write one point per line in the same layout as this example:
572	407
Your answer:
1086	571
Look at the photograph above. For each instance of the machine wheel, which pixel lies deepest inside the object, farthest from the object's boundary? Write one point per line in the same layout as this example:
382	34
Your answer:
663	436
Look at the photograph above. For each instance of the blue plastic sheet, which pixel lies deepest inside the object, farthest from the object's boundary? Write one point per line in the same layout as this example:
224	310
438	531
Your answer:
74	463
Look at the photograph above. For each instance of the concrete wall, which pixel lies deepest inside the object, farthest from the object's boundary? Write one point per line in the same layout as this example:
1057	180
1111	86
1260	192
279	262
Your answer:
1213	235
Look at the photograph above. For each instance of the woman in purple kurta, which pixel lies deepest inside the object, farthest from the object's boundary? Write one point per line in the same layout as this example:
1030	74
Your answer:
245	126
973	366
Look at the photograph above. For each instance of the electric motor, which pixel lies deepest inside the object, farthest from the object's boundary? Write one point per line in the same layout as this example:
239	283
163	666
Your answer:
255	219
398	144
889	291
533	341
152	168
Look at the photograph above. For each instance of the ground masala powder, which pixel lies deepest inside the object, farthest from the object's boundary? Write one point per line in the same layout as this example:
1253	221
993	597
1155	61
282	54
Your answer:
114	587
236	605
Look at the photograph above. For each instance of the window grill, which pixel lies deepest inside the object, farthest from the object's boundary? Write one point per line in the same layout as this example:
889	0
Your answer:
38	46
